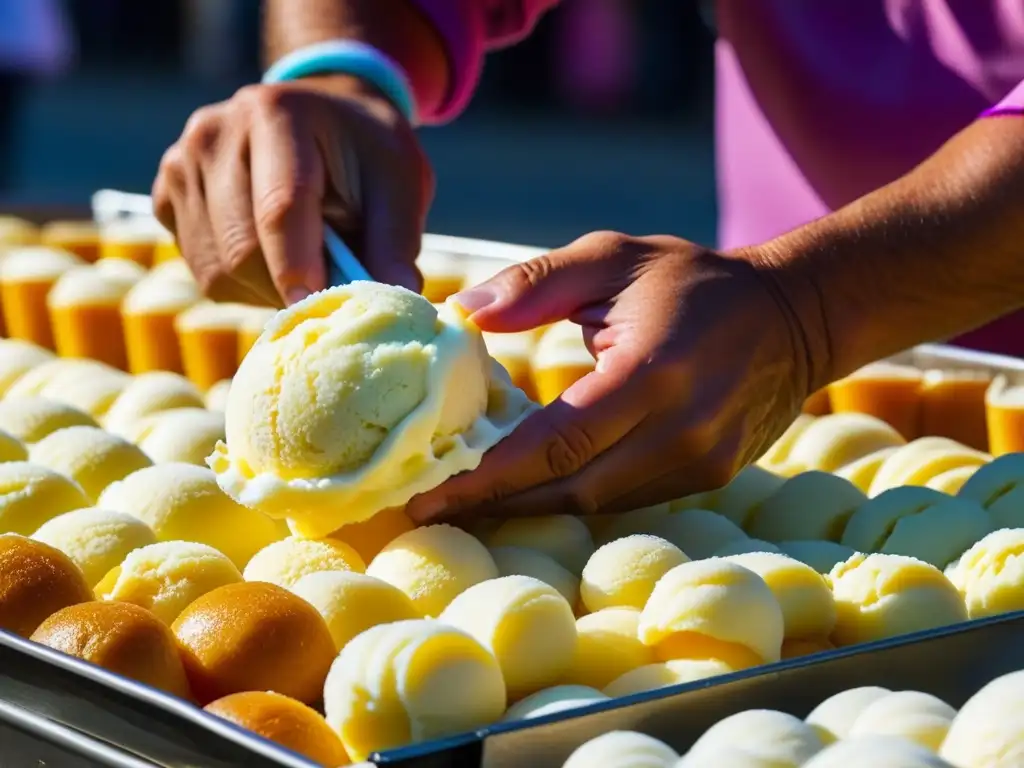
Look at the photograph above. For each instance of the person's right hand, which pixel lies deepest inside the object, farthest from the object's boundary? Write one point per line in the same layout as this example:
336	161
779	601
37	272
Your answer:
247	189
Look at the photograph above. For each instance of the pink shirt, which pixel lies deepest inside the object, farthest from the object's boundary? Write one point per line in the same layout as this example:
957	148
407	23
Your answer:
817	101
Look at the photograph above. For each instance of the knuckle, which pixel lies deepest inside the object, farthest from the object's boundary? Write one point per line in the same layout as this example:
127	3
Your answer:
239	244
602	242
569	449
171	171
576	500
275	205
203	131
532	272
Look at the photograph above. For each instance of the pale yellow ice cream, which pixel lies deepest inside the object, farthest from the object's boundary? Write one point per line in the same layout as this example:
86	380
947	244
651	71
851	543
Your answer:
369	537
713	609
216	398
96	539
775	457
808	609
917	522
697	532
559	698
877	752
862	471
149	311
17	358
286	561
952	480
353	602
356	399
181	502
90	456
663	674
186	435
745	492
822	556
778	738
564	538
988	731
520	561
811	505
90	386
834	717
16	232
607	647
623	572
30	419
30	495
645	520
879	596
34	381
526	624
839	439
148	394
990	575
919	461
744	546
623	749
408	682
432	565
918	717
999	487
11	448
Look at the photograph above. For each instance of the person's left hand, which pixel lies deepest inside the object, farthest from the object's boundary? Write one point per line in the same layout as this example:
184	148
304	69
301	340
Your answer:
702	361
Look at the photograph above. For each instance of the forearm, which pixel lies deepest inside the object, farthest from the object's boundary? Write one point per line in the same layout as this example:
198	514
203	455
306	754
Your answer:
393	26
936	253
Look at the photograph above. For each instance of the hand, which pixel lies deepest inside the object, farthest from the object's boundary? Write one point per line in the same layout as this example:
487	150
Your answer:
701	364
248	186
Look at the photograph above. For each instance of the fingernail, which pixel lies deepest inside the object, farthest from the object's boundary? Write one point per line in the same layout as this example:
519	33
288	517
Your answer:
476	299
297	294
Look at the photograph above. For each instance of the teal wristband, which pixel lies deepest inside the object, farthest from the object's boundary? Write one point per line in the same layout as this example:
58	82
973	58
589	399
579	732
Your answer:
347	57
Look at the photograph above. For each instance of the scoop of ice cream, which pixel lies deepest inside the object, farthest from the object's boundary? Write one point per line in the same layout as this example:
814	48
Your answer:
17	232
90	456
862	471
607	647
162	291
34	381
745	492
919	461
811	505
92	284
150	393
11	448
839	439
30	419
918	717
822	556
92	387
369	537
186	435
917	522
286	561
96	539
353	602
166	577
520	561
31	494
777	737
526	624
952	480
776	456
663	674
432	565
743	546
408	682
699	533
990	575
611	527
356	399
623	572
623	749
181	502
835	716
37	262
808	610
987	732
876	752
999	487
880	596
17	358
217	396
560	698
713	609
564	538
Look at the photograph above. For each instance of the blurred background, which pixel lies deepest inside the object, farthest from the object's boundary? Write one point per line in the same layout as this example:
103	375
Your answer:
601	120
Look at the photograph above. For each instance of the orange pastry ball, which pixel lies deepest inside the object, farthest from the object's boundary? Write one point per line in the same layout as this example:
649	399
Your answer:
35	581
254	636
121	637
286	721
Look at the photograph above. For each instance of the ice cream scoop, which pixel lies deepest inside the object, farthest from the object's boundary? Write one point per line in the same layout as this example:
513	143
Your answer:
31	494
919	461
520	561
149	310
822	556
664	674
208	338
876	752
356	399
89	386
186	435
525	623
862	471
65	371
30	419
623	572
369	537
811	505
777	737
408	682
777	455
834	717
90	456
713	609
745	492
607	647
623	749
11	448
743	546
608	528
918	717
18	358
699	533
286	561
96	539
559	698
986	733
150	393
999	487
216	398
990	575
952	480
565	538
837	440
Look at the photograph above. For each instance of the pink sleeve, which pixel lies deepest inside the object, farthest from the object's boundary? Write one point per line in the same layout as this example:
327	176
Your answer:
469	29
1012	104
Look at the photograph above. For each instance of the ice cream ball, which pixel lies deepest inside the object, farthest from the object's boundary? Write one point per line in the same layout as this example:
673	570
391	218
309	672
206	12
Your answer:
36	580
63	373
120	637
952	480
520	561
81	238
607	647
745	492
284	721
15	231
30	419
623	749
352	602
253	323
699	533
528	626
643	520
150	393
986	732
182	502
432	565
208	337
794	649
17	358
369	537
705	500
409	682
862	471
713	609
836	440
31	494
822	556
743	546
876	752
166	577
247	636
97	540
663	674
559	698
564	538
90	386
834	717
11	448
808	609
286	561
879	596
990	575
999	487
811	505
918	717
777	455
622	573
216	398
90	456
919	461
777	737
185	435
